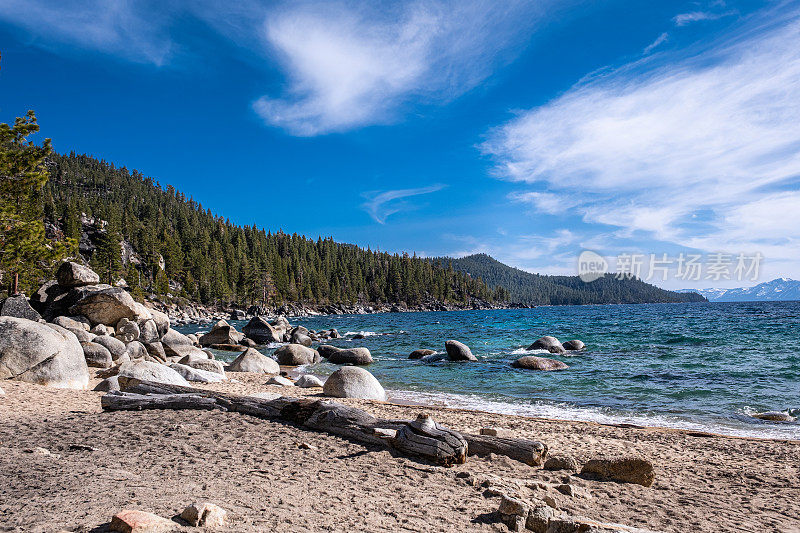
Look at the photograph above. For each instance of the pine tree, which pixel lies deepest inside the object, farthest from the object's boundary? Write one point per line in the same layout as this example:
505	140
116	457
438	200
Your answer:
25	252
107	258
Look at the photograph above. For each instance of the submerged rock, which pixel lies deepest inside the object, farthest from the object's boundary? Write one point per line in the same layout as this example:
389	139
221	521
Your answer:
458	351
295	355
551	344
354	382
574	345
775	416
351	356
531	362
419	354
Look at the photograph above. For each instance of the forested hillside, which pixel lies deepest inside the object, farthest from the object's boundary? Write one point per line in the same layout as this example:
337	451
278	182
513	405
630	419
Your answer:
172	244
536	289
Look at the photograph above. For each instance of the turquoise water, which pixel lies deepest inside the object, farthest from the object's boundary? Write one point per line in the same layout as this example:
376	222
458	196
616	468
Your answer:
704	366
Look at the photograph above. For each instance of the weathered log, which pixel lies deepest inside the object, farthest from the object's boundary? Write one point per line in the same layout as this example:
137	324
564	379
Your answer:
530	452
119	401
425	437
422	437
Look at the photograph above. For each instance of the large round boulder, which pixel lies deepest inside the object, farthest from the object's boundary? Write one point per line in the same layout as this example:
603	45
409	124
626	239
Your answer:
458	351
148	371
251	360
128	330
221	333
261	331
73	322
45	354
114	345
296	354
209	365
573	345
148	331
354	382
97	355
177	344
419	354
105	306
72	274
531	362
301	338
351	356
551	344
136	349
190	373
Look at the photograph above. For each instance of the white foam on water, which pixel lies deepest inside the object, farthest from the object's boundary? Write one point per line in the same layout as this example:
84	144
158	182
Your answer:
563	411
365	333
524	351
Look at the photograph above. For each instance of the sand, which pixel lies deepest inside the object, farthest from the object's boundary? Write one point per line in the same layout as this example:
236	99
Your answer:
66	465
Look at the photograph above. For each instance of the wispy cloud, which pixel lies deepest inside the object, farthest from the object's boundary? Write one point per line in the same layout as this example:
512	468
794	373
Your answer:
353	65
661	39
703	151
136	31
381	204
697	16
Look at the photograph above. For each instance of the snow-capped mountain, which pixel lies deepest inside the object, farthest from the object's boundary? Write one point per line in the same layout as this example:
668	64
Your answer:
777	290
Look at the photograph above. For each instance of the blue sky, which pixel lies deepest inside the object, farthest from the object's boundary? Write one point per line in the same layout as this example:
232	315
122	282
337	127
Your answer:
527	130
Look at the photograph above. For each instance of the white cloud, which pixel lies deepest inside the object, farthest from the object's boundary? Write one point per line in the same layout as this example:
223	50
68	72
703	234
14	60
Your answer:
696	16
352	66
381	204
661	39
703	151
133	30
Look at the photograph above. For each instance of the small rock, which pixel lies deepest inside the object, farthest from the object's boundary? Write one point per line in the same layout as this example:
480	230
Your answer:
132	521
573	345
280	381
621	469
561	462
496	432
531	362
306	446
204	514
307	381
550	501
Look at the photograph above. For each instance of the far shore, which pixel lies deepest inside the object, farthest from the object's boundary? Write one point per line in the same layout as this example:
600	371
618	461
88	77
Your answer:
66	464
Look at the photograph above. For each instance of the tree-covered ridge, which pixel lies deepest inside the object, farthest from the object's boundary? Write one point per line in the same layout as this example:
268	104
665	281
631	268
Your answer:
537	289
207	258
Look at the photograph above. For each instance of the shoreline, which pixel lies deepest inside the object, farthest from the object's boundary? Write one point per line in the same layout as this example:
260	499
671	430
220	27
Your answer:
278	476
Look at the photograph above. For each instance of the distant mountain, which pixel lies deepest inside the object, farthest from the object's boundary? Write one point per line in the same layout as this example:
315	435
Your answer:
777	290
536	289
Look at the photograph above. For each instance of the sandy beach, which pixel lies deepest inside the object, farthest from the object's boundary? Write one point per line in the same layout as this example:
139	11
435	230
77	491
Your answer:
67	465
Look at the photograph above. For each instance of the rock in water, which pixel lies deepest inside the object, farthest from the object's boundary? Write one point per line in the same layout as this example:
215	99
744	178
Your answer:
419	354
19	307
458	351
621	469
354	382
221	333
132	521
325	350
531	362
301	339
251	360
149	371
71	275
262	331
204	514
97	355
45	354
574	345
551	344
775	416
351	356
307	381
295	355
106	306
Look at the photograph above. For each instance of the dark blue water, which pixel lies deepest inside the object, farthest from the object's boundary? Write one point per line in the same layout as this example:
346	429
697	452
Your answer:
701	366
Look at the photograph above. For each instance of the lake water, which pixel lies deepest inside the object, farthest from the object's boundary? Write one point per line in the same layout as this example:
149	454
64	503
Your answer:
703	366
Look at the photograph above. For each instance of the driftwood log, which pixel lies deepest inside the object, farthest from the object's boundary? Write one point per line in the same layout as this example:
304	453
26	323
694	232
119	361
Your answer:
422	437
